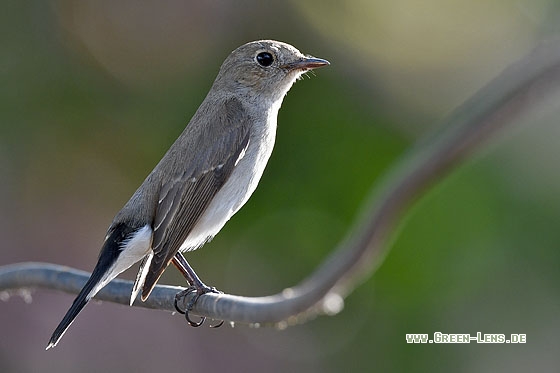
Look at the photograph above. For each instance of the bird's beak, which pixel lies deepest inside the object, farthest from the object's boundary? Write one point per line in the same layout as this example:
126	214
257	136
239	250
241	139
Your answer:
306	63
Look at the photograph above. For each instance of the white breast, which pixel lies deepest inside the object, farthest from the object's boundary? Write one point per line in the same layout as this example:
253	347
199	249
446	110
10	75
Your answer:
240	185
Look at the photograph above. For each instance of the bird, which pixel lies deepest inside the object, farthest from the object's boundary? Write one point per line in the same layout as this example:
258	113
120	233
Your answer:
204	178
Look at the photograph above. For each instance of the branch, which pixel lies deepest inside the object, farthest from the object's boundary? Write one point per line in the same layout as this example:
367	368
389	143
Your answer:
500	103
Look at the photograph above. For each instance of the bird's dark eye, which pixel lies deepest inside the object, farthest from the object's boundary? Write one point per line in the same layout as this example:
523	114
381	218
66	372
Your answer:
265	59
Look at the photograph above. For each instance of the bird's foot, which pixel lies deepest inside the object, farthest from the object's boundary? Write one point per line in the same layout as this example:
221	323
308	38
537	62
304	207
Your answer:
198	291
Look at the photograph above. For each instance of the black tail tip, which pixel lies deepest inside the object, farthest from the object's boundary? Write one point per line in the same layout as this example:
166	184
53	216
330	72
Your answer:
56	337
52	343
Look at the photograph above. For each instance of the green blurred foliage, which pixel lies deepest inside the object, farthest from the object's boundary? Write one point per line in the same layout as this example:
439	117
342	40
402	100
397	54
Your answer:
93	93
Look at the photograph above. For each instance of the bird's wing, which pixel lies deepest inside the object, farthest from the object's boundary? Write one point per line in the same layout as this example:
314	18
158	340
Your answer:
184	198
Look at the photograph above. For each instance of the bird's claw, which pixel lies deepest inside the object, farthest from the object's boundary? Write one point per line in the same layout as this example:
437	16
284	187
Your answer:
217	325
198	292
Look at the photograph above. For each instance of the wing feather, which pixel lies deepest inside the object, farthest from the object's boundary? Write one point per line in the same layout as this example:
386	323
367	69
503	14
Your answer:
183	200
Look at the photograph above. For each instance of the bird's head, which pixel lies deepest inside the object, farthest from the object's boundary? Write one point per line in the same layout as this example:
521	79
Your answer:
264	69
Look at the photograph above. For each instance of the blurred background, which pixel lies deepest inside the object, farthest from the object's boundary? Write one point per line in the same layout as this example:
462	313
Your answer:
92	94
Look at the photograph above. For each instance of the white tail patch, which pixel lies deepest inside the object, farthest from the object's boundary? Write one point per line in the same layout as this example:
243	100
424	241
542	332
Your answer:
141	276
133	250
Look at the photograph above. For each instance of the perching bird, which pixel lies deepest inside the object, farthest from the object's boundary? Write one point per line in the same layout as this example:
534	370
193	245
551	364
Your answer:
204	178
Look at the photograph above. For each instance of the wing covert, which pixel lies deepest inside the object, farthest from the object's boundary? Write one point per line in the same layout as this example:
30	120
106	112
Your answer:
185	196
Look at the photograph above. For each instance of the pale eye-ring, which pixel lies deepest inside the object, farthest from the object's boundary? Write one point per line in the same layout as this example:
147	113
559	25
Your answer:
264	59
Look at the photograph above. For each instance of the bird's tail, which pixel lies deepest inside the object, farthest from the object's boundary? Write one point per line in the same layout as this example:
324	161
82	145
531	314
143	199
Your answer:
102	274
81	300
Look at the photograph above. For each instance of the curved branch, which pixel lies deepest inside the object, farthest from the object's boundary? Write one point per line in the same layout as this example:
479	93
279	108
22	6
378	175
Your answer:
515	91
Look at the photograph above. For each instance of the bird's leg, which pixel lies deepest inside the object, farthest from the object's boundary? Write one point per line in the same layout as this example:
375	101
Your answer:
189	274
196	285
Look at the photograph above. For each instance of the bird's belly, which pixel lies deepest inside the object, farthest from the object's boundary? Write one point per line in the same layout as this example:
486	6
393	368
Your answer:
235	192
